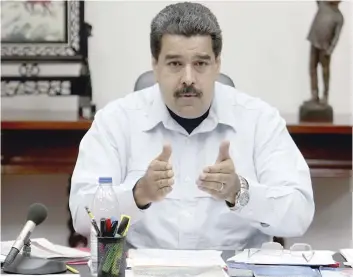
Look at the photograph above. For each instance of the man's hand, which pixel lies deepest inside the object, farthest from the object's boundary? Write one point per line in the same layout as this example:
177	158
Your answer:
157	181
220	179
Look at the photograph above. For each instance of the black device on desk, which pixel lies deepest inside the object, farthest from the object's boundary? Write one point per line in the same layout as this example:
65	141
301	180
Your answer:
17	263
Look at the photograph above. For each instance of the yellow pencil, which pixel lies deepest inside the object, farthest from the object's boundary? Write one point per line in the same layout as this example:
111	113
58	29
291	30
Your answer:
73	270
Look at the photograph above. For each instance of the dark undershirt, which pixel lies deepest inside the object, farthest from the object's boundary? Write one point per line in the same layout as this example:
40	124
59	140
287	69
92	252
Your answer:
189	124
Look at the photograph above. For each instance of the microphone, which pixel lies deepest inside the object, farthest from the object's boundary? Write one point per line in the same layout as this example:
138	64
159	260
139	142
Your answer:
37	213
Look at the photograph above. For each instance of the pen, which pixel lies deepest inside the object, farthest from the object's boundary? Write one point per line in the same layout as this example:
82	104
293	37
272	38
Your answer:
103	229
114	227
108	227
73	270
124	226
93	221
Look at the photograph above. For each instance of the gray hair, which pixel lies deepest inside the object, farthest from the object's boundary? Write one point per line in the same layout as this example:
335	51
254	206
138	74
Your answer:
187	19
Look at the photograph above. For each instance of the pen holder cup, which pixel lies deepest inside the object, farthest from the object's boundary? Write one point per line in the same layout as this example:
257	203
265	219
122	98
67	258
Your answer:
111	256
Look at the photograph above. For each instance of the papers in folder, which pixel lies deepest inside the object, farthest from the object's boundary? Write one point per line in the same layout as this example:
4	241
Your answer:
336	272
43	248
169	263
320	257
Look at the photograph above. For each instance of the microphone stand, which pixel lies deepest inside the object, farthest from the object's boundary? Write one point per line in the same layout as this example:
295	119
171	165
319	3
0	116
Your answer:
27	265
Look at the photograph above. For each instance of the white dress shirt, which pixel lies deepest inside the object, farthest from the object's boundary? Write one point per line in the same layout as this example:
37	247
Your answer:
129	133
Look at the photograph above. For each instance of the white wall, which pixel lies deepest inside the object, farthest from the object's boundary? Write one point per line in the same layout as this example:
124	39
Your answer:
266	54
265	49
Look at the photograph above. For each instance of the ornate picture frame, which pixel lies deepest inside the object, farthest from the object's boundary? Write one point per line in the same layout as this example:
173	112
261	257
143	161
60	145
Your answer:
42	30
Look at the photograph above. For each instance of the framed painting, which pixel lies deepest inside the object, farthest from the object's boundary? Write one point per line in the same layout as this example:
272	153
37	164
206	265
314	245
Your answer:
42	30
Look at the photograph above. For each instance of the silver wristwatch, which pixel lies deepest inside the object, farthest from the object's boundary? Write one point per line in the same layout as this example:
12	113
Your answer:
242	197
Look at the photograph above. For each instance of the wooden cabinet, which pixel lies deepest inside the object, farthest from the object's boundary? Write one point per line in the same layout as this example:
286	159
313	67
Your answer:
40	143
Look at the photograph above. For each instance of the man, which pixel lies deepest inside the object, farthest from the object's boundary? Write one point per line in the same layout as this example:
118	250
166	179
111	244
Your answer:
323	36
197	164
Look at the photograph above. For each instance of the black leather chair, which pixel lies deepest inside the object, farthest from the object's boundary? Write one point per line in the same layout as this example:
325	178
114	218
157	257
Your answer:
146	80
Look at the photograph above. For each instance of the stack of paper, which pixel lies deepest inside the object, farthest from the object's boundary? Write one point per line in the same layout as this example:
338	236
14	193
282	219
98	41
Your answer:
43	248
336	272
249	270
320	257
158	262
348	255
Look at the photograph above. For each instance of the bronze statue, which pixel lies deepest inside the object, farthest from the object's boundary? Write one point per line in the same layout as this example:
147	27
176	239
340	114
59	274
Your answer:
323	37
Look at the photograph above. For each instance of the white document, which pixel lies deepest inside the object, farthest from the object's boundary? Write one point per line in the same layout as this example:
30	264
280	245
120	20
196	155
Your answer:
347	254
182	258
129	273
176	263
179	272
320	257
43	248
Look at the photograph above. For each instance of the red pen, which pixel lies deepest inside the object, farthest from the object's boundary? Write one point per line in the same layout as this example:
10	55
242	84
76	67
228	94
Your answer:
108	226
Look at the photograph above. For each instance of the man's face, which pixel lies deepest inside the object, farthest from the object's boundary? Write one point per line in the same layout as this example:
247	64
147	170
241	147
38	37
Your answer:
186	71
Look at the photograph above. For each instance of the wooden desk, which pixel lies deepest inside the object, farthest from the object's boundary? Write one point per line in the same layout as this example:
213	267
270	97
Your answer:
47	143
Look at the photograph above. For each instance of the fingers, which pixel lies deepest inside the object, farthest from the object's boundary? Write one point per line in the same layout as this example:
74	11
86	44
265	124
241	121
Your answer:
210	186
164	183
160	165
159	178
161	193
225	167
160	175
160	170
166	153
215	177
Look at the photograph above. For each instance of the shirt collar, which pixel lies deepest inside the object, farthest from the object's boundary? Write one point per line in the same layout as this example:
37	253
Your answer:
223	106
221	110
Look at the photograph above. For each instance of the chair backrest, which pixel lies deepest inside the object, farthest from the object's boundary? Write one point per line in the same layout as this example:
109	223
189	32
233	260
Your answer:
146	80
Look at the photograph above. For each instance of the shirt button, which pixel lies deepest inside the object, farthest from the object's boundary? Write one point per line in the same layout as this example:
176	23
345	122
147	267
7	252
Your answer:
264	224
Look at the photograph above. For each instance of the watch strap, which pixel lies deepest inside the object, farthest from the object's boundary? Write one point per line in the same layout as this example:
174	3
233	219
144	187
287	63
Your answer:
242	197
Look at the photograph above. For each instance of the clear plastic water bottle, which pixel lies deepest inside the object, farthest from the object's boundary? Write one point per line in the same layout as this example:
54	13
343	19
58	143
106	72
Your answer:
105	205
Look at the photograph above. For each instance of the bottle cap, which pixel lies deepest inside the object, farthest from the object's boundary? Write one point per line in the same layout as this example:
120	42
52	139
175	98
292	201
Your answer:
105	180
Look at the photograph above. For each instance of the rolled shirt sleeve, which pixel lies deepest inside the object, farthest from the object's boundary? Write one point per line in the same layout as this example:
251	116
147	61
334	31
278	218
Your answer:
281	199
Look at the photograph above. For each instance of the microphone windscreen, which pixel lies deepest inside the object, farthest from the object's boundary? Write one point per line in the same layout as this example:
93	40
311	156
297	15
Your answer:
37	213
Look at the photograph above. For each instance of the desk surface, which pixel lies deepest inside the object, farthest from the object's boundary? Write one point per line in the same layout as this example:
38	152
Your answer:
84	270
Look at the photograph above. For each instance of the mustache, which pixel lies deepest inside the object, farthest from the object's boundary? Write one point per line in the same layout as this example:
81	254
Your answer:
187	90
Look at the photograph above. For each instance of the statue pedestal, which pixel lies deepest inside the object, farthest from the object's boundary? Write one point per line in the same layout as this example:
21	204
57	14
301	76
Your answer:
312	111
